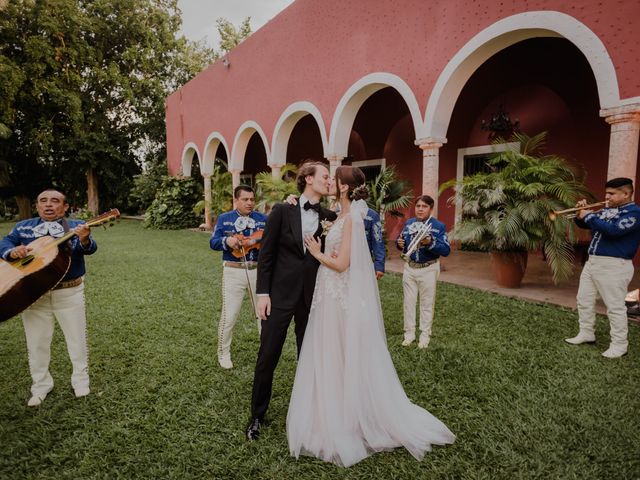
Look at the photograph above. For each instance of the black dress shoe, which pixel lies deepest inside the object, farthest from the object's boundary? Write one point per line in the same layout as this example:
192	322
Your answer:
253	430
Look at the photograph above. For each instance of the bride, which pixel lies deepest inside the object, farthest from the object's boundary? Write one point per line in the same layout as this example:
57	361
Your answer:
347	401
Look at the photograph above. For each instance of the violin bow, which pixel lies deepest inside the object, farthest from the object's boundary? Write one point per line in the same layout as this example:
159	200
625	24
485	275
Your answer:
246	271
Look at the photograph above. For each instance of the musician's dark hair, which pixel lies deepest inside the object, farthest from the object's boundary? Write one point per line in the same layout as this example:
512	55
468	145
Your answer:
619	182
51	189
242	188
426	199
354	178
308	167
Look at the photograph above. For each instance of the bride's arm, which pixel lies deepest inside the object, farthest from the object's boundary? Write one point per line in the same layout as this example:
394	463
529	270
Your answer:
339	263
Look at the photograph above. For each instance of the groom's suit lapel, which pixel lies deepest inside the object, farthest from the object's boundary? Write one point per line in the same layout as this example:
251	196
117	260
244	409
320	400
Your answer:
296	226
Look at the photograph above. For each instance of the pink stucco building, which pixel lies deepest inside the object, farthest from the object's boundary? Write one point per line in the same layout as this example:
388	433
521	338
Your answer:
410	82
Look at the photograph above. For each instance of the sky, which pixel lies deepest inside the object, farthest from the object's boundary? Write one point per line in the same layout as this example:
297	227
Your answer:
199	16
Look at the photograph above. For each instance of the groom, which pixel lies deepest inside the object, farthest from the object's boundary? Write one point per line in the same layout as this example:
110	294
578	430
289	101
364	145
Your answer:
286	279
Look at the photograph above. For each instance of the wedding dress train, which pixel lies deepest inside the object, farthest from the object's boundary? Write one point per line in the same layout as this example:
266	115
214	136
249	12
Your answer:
347	401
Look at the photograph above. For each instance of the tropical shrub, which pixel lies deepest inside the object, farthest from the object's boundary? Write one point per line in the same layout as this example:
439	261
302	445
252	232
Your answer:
173	205
389	194
507	209
270	190
145	186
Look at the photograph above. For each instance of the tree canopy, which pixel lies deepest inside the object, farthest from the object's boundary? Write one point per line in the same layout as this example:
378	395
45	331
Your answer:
230	35
82	90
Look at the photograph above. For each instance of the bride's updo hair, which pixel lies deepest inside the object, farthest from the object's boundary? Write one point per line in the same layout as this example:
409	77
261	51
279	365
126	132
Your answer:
354	179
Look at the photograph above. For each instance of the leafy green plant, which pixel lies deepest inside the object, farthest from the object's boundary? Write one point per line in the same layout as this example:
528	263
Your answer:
270	190
173	206
508	208
389	194
145	186
82	213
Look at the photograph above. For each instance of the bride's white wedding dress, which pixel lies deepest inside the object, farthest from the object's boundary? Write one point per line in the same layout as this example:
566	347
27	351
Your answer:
347	401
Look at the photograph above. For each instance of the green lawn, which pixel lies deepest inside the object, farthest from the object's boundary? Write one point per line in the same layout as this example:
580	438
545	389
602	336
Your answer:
522	403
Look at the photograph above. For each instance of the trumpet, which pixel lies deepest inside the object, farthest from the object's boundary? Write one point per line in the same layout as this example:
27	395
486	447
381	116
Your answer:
424	232
572	212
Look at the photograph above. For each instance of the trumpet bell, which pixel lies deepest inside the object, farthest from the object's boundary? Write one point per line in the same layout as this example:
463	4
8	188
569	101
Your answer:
554	215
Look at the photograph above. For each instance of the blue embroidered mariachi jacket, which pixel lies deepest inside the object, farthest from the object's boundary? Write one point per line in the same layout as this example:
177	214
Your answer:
232	223
27	231
616	231
373	231
439	246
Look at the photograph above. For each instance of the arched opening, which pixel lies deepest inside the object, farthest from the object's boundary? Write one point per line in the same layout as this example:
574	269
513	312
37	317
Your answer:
353	100
195	167
189	158
216	149
543	84
305	141
382	135
255	159
299	134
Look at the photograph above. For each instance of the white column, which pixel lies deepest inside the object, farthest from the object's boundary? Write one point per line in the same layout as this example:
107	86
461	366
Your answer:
275	170
334	162
430	167
207	201
235	178
623	142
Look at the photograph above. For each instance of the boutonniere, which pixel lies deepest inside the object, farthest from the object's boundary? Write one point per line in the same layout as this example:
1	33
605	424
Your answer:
326	225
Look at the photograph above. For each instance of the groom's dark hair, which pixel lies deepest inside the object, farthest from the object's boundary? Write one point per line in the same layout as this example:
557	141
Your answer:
308	167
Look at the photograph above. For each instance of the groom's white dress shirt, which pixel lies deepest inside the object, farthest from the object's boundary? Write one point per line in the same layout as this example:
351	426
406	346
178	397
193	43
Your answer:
309	219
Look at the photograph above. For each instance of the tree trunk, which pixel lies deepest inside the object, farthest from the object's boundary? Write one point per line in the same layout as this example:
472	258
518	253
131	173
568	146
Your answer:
24	207
92	191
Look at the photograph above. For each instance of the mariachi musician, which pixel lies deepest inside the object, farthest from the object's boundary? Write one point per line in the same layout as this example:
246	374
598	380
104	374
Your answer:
64	303
606	274
237	234
423	241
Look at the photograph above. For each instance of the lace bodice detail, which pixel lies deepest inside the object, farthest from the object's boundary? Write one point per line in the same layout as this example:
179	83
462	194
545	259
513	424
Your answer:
328	281
334	237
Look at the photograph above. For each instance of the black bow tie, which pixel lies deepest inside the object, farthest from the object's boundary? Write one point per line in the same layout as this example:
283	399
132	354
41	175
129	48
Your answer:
312	206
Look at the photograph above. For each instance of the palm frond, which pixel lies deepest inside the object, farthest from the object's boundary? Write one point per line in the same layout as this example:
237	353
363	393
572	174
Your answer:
508	208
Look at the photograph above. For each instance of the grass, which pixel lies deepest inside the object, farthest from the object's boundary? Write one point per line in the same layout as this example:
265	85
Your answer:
522	403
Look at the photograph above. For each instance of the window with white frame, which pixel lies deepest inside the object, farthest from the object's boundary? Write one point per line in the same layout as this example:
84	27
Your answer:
246	179
473	160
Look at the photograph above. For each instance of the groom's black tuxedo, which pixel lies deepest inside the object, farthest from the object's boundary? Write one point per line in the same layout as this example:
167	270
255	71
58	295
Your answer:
285	270
288	275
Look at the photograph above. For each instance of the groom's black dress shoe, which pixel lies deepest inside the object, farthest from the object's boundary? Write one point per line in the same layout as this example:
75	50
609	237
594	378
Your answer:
253	429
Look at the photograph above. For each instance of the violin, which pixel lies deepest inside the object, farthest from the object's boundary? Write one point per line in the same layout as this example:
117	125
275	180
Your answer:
245	244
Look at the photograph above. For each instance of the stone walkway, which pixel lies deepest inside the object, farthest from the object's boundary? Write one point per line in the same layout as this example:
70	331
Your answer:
474	270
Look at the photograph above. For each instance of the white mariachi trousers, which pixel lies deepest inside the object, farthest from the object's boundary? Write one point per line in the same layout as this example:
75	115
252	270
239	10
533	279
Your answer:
65	305
234	285
609	277
419	282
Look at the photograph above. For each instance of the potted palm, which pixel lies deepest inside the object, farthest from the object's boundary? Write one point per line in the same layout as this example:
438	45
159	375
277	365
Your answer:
506	211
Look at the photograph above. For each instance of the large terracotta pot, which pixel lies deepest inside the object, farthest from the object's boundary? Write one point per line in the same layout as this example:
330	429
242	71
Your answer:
509	267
